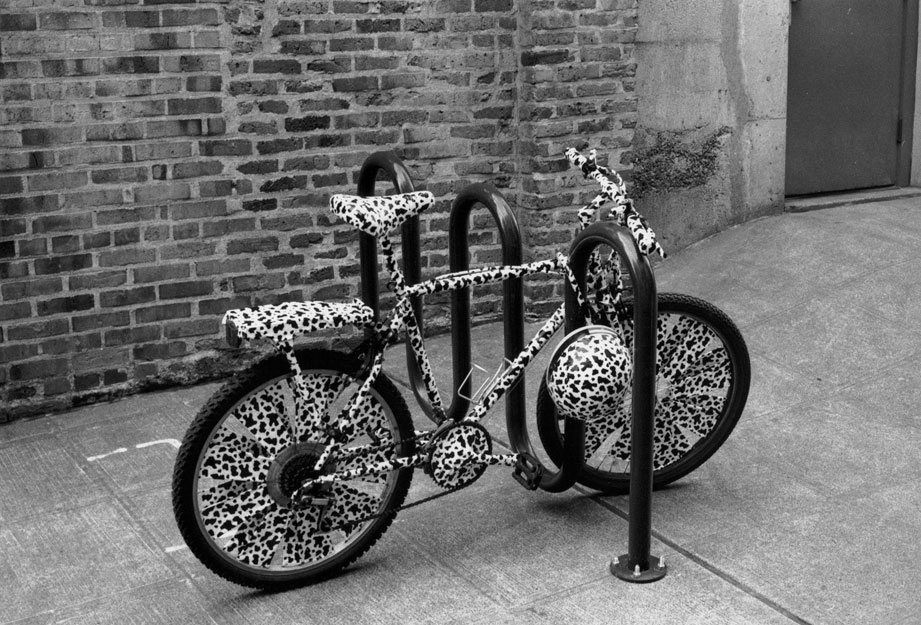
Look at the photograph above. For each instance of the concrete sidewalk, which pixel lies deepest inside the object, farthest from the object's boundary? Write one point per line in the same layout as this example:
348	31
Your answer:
810	513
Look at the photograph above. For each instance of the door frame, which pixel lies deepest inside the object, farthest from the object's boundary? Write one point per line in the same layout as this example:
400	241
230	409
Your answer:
908	153
908	104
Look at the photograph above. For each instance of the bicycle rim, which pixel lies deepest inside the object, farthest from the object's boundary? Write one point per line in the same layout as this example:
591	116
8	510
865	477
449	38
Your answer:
256	446
703	374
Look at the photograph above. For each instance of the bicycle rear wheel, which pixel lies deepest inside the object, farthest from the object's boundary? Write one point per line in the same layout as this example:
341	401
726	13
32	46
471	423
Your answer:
703	375
251	447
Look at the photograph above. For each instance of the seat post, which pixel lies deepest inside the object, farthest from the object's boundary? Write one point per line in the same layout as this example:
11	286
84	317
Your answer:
388	163
397	282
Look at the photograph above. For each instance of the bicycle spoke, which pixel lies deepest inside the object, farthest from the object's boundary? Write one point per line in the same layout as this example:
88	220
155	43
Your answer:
360	457
258	540
264	416
302	544
350	505
679	423
627	329
698	413
687	343
669	442
598	432
605	449
713	373
316	394
667	333
372	418
232	456
666	343
227	515
220	491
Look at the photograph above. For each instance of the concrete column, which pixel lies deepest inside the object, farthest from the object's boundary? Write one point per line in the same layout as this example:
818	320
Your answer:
711	129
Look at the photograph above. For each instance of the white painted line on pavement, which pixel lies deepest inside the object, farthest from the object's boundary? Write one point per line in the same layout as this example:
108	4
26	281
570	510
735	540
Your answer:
162	441
120	450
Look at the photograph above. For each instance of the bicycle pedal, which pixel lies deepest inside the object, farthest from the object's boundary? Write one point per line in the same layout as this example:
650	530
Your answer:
527	471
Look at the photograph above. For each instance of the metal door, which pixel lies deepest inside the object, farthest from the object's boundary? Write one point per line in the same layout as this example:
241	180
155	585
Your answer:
844	94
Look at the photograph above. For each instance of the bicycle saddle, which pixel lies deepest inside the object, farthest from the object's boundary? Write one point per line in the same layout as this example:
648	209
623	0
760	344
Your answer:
379	215
282	323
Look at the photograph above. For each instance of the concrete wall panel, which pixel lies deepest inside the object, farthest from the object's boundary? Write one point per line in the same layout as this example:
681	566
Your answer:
708	70
680	86
678	21
764	146
763	28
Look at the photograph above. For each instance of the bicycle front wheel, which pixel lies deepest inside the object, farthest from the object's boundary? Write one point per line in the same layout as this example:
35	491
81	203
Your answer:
703	374
239	469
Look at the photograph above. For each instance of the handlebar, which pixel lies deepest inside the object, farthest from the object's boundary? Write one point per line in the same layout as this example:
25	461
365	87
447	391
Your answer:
614	189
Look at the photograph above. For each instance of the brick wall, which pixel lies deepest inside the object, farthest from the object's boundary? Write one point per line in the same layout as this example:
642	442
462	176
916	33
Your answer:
163	162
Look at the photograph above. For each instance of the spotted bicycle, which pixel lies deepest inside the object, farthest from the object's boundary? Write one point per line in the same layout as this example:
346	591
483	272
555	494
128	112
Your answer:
298	465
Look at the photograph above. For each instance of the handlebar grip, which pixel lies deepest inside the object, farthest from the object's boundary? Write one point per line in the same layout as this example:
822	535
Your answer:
577	160
616	191
611	189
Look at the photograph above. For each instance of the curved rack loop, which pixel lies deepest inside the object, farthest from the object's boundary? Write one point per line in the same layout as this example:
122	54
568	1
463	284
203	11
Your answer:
637	565
513	292
513	305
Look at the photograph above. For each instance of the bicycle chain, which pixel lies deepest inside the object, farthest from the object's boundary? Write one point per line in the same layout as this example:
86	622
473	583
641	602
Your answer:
413	504
378	515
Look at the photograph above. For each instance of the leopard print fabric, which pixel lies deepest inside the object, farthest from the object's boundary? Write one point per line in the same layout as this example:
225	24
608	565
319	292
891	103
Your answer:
282	323
614	189
238	508
459	455
377	216
589	374
515	369
694	376
486	275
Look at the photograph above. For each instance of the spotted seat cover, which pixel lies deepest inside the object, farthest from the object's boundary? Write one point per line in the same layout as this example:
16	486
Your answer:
379	215
283	322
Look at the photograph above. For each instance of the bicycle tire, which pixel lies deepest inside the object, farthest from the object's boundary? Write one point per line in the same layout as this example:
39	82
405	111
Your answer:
712	374
248	450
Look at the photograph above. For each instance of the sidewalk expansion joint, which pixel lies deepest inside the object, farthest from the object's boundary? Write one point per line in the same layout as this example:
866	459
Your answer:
712	568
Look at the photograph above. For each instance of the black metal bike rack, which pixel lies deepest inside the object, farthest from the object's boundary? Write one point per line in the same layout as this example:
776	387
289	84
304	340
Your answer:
513	291
513	303
390	164
637	565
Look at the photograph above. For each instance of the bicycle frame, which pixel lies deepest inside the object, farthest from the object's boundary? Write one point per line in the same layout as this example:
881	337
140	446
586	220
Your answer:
331	417
403	320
